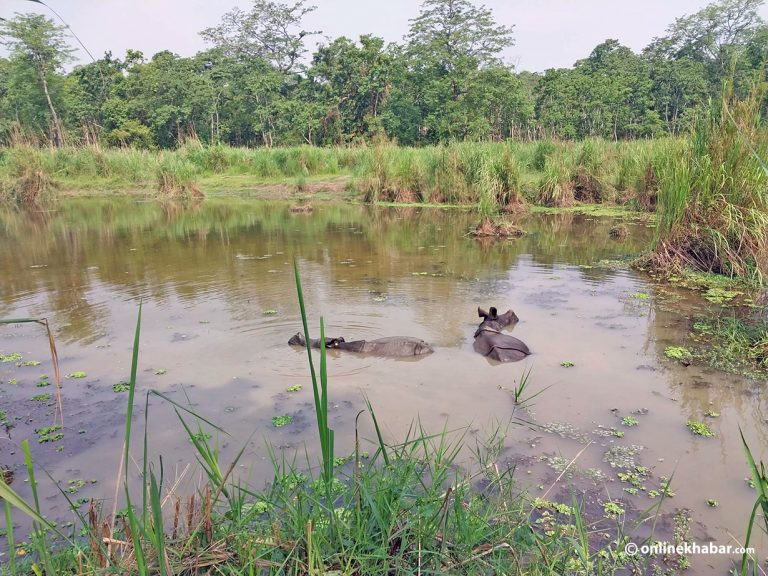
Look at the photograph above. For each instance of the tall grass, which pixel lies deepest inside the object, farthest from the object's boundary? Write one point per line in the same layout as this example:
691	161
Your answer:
177	178
500	176
24	182
712	201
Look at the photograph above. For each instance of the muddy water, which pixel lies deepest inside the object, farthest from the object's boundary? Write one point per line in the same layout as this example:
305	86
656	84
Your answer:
219	305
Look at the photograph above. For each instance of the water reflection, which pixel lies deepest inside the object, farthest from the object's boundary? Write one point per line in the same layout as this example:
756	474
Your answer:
227	249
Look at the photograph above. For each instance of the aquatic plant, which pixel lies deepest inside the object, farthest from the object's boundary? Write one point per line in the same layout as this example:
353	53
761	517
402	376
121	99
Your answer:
280	421
699	428
677	353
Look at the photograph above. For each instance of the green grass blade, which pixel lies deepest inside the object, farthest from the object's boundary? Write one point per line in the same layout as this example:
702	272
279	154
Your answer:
157	520
382	446
9	530
136	527
38	538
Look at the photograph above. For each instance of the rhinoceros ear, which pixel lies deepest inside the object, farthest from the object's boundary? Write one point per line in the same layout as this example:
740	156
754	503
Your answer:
482	313
494	312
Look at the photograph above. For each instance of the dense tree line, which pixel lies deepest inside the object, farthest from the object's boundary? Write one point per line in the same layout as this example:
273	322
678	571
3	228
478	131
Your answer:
257	86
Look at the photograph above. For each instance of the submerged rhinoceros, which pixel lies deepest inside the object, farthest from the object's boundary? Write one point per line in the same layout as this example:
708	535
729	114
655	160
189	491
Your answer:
392	346
490	342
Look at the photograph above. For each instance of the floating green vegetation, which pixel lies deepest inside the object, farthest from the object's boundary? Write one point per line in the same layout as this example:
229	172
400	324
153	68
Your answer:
635	476
341	460
712	503
558	463
665	487
541	503
74	486
640	296
712	414
160	371
612	510
29	363
605	432
567	364
269	312
43	381
121	386
280	421
629	421
41	397
716	284
735	345
291	480
4	418
566	430
294	388
622	456
49	434
12	381
702	327
12	357
609	264
677	353
718	295
77	375
699	428
199	437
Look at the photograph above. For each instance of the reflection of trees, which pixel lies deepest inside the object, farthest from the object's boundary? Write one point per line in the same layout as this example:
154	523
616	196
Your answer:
186	251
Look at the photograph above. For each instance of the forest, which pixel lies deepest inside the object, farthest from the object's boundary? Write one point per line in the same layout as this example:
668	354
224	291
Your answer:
258	84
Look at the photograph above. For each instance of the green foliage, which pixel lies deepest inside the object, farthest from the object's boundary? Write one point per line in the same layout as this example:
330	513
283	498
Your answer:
677	352
445	83
714	210
177	178
280	421
699	428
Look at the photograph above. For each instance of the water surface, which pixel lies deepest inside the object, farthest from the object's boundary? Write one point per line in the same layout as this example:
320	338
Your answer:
219	304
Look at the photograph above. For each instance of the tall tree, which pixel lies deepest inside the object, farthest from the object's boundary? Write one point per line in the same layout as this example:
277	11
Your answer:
355	83
270	31
36	42
448	43
712	35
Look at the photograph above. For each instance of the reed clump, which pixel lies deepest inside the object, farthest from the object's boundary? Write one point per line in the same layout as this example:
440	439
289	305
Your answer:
496	228
586	174
26	183
177	178
555	185
711	200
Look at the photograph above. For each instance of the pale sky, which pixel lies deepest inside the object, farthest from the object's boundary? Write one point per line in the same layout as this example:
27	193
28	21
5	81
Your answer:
548	33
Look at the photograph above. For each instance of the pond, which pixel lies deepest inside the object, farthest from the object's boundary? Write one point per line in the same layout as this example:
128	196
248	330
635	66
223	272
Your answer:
219	305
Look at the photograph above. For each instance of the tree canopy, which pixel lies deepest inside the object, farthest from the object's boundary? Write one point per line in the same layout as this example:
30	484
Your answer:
256	85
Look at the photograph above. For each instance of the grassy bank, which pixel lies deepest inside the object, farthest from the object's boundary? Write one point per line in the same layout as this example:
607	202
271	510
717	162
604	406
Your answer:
713	206
491	176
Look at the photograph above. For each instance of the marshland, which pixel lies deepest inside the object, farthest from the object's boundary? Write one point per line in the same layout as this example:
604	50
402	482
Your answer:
167	224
